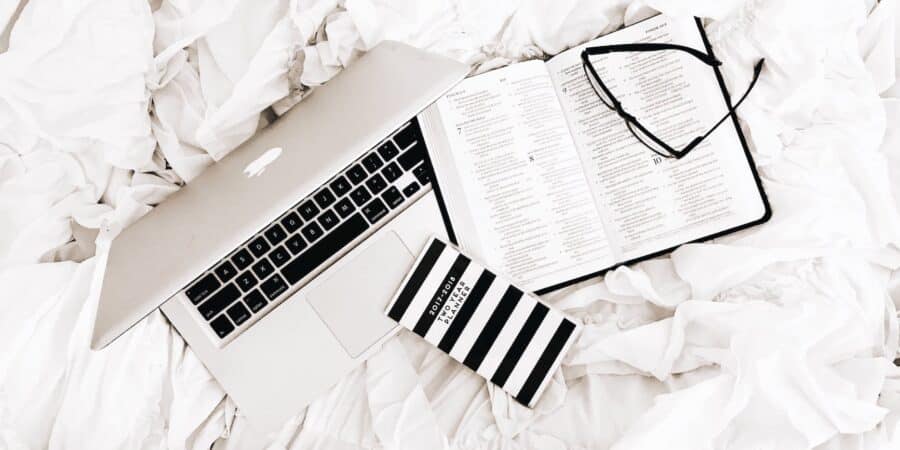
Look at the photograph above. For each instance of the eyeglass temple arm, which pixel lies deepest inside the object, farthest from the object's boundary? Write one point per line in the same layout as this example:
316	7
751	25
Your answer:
648	47
757	69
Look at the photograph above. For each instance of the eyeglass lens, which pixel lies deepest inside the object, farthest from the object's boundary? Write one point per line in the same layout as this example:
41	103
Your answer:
657	105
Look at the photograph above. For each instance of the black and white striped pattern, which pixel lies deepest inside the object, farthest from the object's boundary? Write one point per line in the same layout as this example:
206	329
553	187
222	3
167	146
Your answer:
504	335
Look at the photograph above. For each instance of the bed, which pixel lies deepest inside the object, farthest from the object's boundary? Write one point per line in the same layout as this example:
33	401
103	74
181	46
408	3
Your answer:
782	336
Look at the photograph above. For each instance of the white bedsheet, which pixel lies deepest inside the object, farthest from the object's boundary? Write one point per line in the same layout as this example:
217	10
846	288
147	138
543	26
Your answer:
779	337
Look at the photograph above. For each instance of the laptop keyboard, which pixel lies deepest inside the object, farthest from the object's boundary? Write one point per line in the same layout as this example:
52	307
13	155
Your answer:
282	254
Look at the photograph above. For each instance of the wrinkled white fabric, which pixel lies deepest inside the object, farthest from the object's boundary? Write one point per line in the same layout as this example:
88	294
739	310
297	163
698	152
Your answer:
778	337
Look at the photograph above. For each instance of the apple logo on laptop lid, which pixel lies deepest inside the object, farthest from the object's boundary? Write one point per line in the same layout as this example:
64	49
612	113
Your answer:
258	166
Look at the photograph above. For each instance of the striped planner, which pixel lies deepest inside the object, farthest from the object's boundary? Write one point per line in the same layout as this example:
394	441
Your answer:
506	336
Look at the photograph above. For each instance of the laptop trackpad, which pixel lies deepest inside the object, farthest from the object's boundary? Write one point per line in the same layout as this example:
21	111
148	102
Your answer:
351	301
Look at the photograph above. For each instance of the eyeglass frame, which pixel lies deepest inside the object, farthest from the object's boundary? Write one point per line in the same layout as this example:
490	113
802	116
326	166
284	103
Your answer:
631	120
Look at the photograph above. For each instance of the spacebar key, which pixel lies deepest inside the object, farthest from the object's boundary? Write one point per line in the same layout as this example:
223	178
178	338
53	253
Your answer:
319	252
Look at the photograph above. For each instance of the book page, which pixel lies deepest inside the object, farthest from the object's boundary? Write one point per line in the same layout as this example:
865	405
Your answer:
650	203
533	217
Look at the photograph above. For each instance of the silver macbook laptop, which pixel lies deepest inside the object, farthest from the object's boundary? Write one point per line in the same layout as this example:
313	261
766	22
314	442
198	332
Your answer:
276	263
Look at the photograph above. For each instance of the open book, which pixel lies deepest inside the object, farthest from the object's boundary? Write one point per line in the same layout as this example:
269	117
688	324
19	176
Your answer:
546	185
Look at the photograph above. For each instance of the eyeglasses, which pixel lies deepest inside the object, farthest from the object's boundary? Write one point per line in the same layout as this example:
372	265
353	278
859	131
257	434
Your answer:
640	132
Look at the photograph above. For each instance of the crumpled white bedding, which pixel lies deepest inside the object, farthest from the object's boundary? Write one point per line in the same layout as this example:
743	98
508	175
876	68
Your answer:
779	337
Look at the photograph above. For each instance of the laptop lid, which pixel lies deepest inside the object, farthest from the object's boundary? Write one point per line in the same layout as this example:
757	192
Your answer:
157	256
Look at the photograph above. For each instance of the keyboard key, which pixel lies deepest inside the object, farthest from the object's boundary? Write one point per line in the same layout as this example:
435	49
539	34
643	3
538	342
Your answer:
246	281
344	208
376	184
255	300
242	259
275	234
360	196
392	197
408	135
340	186
202	288
319	252
279	256
259	246
273	287
295	244
238	313
392	172
291	222
218	302
357	174
222	326
388	150
312	232
372	162
324	198
328	219
374	210
412	157
308	210
411	189
226	271
263	268
423	174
